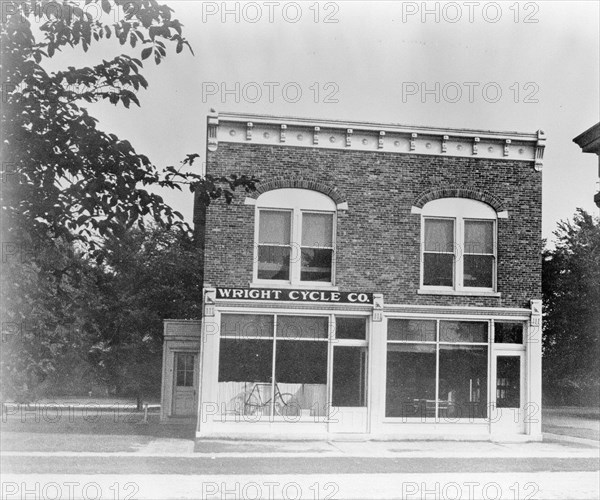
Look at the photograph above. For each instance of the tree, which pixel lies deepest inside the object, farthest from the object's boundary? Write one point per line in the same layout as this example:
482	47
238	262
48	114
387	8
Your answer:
45	332
66	178
147	276
571	295
67	186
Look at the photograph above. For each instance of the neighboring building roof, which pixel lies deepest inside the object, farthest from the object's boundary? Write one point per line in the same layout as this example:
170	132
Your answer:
589	141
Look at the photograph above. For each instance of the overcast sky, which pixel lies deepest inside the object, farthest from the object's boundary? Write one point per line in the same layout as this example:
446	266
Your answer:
375	64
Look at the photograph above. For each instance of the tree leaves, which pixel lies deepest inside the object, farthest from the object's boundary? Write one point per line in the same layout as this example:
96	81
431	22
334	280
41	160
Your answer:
571	294
69	185
106	7
53	146
146	53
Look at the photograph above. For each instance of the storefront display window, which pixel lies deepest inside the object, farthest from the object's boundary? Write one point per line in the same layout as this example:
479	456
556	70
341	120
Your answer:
274	372
410	382
437	369
462	381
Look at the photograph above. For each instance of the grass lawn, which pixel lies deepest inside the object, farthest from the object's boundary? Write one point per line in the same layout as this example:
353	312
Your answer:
592	413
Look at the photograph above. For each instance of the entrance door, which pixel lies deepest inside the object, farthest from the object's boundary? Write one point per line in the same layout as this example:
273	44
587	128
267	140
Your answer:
185	393
348	412
509	392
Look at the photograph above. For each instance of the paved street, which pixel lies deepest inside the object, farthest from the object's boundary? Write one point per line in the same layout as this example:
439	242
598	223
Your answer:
546	485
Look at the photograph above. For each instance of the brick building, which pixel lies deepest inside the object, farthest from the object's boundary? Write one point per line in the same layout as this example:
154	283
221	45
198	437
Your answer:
383	280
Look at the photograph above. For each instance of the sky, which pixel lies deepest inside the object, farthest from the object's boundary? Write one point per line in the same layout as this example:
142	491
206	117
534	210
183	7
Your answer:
507	66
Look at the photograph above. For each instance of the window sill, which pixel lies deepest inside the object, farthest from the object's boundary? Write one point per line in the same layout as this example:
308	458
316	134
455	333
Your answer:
465	293
295	286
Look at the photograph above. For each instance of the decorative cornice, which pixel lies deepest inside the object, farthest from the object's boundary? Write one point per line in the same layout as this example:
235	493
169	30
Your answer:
343	135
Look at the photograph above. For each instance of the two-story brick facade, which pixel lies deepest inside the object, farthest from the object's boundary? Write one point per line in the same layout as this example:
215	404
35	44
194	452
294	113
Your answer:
383	280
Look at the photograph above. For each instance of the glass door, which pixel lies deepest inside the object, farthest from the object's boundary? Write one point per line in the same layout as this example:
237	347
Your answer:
348	409
508	392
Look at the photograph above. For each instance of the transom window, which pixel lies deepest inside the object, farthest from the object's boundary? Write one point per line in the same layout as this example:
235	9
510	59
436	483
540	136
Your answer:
295	234
458	245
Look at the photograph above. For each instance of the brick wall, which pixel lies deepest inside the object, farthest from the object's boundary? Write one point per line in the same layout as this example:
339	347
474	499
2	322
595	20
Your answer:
378	247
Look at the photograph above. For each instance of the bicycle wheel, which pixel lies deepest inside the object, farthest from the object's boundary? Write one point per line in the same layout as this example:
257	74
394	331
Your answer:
236	405
253	404
287	405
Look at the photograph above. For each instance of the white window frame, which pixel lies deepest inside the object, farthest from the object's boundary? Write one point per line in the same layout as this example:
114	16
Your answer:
331	339
459	210
298	202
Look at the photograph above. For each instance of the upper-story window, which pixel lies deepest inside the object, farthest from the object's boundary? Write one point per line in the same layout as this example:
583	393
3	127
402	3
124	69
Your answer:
458	245
295	237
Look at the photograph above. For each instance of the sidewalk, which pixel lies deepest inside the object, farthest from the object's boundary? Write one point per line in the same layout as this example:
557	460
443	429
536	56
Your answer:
149	446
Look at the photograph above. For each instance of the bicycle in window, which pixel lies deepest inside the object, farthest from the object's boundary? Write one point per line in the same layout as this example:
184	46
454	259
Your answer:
259	401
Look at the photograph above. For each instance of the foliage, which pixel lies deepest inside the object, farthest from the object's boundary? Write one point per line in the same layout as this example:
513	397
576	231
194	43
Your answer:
571	294
44	329
71	190
65	177
70	316
148	275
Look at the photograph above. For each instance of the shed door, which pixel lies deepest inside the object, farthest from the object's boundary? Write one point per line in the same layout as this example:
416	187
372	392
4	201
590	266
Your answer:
185	393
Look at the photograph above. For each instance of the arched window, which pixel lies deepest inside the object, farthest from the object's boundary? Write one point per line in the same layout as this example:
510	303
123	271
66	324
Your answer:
458	245
295	237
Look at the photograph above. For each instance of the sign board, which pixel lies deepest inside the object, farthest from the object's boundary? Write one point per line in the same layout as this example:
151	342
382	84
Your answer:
293	295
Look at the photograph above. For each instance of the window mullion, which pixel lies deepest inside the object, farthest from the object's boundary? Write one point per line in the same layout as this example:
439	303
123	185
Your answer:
437	370
459	237
274	360
495	251
296	246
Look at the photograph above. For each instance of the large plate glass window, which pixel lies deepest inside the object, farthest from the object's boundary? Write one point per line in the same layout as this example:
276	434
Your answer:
273	366
437	369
